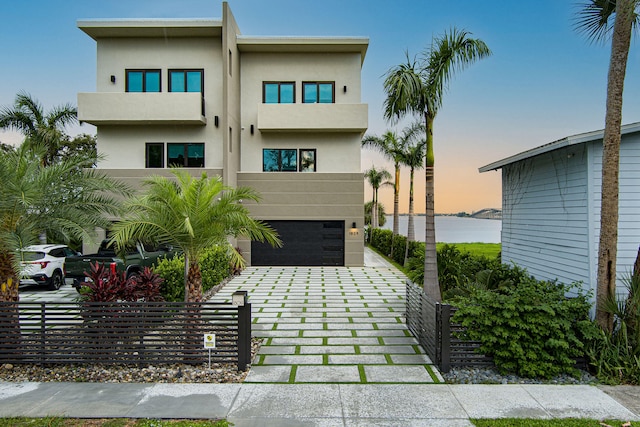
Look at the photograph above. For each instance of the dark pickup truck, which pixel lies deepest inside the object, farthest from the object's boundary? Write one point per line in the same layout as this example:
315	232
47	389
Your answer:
132	262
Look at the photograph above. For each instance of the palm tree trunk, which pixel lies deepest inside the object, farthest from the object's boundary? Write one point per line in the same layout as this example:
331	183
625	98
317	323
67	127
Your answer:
10	313
607	250
411	232
396	206
374	210
9	282
194	282
431	285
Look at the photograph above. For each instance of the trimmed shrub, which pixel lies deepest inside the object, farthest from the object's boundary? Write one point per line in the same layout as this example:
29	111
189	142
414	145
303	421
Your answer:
381	240
214	266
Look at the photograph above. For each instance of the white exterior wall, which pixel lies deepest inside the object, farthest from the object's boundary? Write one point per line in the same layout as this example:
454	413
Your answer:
335	151
628	206
545	215
124	145
551	212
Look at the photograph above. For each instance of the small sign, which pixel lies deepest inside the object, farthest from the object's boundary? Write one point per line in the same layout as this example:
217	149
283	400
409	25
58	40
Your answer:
209	341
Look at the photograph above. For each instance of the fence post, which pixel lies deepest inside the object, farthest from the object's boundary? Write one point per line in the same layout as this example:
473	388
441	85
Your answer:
445	336
239	298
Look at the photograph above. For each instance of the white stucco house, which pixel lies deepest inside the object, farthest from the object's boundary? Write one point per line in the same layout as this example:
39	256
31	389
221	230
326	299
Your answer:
282	115
551	207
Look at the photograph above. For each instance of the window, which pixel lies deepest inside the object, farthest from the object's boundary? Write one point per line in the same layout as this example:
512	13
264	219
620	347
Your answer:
186	81
278	92
154	155
142	80
308	160
279	160
189	155
318	92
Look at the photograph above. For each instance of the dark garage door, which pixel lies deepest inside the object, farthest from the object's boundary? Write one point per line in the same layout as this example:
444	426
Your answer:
305	243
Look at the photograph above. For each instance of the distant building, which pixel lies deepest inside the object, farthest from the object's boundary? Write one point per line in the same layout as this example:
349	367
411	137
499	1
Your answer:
282	115
551	207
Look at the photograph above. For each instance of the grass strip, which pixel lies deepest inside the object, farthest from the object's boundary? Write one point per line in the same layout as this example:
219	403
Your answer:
564	422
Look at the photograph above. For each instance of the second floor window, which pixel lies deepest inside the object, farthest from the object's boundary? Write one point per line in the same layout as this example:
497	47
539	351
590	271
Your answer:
190	155
318	92
278	92
186	81
143	80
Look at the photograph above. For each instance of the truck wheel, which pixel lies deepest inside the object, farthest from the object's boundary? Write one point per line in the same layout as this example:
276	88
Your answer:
56	281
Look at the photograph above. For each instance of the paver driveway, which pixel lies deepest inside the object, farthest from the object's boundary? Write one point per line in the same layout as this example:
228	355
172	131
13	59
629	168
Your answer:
331	325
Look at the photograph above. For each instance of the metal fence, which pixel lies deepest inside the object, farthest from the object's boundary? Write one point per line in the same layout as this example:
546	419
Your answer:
124	333
430	322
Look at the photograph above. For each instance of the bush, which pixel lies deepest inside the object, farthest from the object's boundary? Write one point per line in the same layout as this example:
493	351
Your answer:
214	266
106	285
530	329
381	240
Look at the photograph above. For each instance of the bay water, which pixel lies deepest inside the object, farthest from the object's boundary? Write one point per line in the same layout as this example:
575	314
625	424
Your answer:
453	229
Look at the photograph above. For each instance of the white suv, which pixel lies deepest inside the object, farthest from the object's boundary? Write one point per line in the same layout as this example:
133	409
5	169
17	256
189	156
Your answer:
44	265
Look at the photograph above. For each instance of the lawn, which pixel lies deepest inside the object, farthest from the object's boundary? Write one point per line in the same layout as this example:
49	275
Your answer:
490	250
565	422
107	422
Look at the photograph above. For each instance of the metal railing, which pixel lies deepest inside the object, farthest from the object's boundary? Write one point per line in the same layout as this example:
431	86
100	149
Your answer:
124	333
430	322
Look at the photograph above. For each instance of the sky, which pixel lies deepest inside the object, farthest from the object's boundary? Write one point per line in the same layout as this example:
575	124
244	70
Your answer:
543	82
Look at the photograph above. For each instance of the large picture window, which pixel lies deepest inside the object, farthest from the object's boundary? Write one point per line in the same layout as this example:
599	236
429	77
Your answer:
279	160
189	155
278	92
154	155
318	92
142	80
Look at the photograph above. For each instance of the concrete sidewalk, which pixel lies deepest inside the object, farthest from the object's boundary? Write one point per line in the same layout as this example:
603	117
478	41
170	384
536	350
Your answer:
279	405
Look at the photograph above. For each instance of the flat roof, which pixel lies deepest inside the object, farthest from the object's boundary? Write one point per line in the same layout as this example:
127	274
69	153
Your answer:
196	27
555	145
304	44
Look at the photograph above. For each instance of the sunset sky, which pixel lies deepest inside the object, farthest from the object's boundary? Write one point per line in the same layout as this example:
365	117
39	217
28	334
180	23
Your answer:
544	81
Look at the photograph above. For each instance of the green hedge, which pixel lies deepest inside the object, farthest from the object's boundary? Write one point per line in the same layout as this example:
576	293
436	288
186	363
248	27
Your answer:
214	266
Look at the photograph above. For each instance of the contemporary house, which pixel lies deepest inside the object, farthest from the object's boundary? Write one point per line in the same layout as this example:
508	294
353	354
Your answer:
551	207
282	115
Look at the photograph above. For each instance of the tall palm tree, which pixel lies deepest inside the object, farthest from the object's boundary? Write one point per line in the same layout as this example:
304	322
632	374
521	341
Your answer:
413	158
594	19
192	214
418	88
393	147
43	131
61	199
376	178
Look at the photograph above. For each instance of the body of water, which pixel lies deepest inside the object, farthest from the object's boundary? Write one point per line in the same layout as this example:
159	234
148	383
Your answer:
453	229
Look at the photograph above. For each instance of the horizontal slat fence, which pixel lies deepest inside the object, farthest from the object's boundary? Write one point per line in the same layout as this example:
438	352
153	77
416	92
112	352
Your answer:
123	333
430	322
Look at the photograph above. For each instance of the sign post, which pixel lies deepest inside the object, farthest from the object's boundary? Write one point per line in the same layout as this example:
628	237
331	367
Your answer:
209	341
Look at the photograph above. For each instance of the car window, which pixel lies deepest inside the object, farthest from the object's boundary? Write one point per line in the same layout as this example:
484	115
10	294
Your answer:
57	253
32	256
69	252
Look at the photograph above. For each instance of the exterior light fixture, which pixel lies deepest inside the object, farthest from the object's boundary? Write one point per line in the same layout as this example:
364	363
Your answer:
251	129
345	89
354	225
239	298
113	78
216	121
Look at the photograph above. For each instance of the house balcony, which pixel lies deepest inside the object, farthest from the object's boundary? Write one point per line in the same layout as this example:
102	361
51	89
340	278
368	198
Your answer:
312	117
117	108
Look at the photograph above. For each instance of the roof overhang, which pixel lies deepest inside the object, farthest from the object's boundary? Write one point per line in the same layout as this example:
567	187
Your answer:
556	145
304	45
109	28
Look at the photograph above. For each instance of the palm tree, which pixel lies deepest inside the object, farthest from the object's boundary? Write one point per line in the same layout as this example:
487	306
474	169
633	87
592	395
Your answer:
412	157
42	131
418	88
376	178
61	199
192	214
393	147
595	21
367	214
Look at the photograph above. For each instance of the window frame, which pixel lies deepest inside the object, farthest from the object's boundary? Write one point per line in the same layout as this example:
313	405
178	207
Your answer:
317	85
184	71
147	157
280	150
185	154
144	72
315	159
264	91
